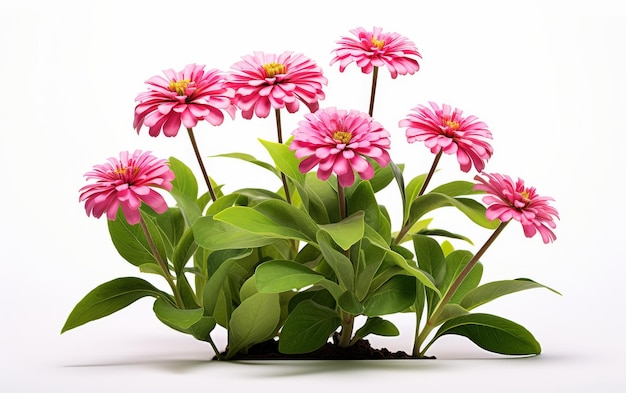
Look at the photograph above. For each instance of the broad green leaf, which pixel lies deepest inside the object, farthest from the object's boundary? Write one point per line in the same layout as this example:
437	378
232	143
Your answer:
130	241
319	199
377	326
444	233
347	231
341	265
201	329
369	264
307	328
362	199
251	196
281	276
493	290
430	257
176	318
187	205
470	282
253	321
184	182
285	160
108	298
396	295
492	333
251	159
350	303
272	218
218	235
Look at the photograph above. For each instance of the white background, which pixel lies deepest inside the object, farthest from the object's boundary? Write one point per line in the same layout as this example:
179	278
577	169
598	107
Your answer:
546	76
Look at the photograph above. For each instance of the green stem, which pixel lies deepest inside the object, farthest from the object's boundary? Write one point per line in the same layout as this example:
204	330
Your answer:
408	224
347	326
280	140
430	322
202	168
373	91
164	268
342	202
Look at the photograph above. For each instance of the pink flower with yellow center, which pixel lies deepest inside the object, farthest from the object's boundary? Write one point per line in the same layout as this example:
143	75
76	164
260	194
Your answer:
444	129
127	182
513	200
268	81
376	49
186	97
340	141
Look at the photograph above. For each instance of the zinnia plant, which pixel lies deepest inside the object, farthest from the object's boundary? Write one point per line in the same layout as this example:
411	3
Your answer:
315	260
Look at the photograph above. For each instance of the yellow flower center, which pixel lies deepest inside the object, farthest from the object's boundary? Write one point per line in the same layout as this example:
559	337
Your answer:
179	86
342	137
378	43
454	125
273	69
525	196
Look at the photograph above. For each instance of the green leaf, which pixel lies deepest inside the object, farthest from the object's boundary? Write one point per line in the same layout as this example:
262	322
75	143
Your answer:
492	333
108	298
347	231
254	321
363	200
224	259
350	303
281	276
218	235
273	219
251	159
412	189
184	182
285	160
449	311
176	318
183	251
457	188
384	176
431	201
396	295
493	290
430	257
341	265
456	261
377	326
130	242
307	328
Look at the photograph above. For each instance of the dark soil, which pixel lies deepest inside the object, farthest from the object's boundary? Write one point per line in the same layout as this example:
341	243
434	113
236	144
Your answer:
361	350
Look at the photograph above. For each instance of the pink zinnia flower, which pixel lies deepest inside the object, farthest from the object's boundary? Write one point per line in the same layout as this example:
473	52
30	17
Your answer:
512	200
340	141
265	81
127	182
186	97
447	130
376	49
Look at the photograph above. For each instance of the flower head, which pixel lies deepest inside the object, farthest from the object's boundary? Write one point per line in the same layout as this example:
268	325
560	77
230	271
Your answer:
186	97
446	129
339	141
265	81
376	49
513	200
127	182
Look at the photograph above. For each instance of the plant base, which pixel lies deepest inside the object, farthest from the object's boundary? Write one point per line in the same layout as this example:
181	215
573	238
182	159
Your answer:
361	350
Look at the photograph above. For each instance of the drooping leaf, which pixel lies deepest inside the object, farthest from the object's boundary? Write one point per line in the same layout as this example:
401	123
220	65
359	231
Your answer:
251	159
176	318
340	264
307	328
492	333
108	298
377	326
495	289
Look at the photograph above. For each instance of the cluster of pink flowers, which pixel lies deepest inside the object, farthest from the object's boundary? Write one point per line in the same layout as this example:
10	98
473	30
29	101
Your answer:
333	140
